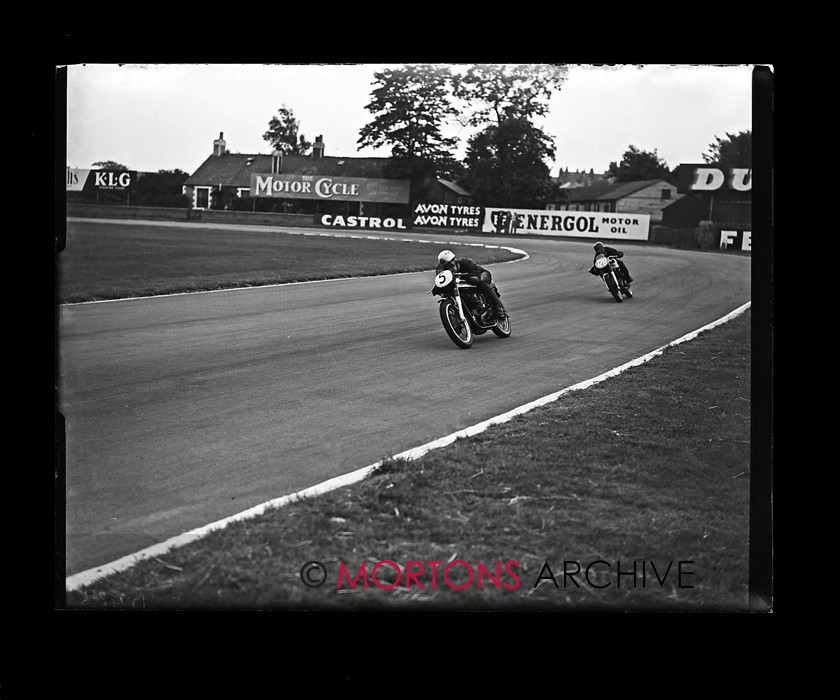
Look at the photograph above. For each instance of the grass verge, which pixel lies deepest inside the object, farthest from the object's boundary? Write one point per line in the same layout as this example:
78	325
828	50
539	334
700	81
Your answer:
633	494
103	260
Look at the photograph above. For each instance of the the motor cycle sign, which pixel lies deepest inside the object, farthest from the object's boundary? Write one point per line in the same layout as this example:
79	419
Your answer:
589	224
294	186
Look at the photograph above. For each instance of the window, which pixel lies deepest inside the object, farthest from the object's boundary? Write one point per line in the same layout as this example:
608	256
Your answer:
202	197
666	193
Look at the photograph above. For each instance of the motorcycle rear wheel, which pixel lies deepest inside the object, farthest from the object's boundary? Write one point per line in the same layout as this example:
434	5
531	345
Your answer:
460	332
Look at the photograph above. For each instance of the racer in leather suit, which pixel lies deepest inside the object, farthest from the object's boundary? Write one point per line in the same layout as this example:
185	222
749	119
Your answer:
476	275
601	249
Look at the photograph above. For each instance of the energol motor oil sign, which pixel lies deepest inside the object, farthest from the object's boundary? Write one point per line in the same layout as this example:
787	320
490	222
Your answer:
589	224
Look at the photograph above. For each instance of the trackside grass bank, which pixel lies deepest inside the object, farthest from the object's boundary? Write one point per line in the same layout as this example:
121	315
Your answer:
631	495
103	260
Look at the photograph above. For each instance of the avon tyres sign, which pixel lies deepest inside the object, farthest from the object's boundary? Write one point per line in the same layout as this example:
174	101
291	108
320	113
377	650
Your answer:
711	178
448	216
344	189
589	224
111	180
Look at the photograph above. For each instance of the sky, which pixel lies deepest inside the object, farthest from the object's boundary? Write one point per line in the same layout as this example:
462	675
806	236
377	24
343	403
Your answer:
151	117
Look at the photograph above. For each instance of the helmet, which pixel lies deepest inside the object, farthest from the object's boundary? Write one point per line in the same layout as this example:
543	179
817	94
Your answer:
599	245
446	256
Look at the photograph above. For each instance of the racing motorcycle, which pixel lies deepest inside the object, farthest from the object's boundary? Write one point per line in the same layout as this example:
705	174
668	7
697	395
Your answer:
464	310
607	267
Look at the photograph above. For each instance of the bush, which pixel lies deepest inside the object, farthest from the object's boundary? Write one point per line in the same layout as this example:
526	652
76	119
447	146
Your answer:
173	201
706	232
241	204
680	238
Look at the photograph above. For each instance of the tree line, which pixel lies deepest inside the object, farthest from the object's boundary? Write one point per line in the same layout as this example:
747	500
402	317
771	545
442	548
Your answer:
507	156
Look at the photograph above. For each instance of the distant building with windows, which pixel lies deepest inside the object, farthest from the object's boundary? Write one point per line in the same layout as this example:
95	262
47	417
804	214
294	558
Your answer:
364	186
642	197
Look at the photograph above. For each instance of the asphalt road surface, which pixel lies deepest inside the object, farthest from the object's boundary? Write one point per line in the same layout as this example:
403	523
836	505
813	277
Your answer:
183	410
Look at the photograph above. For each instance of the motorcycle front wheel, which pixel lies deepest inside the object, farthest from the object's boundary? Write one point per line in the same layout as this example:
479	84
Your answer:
502	328
613	286
460	332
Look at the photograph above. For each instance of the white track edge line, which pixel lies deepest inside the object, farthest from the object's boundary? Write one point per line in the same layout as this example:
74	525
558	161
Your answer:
85	578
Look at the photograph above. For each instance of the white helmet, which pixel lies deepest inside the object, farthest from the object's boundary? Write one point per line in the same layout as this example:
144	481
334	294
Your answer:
446	256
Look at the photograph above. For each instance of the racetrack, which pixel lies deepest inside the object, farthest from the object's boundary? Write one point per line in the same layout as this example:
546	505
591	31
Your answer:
184	410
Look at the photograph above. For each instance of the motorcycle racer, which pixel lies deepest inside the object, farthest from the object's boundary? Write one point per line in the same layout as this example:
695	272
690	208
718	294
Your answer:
476	274
601	249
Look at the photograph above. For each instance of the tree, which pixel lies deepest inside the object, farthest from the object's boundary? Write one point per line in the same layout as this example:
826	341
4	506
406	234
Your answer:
108	165
733	151
638	165
161	189
410	107
506	165
498	91
283	134
506	162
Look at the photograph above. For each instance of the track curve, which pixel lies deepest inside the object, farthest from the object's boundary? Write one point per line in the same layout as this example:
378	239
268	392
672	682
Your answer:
183	410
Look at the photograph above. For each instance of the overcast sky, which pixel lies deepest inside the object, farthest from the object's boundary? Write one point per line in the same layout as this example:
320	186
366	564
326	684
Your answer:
152	117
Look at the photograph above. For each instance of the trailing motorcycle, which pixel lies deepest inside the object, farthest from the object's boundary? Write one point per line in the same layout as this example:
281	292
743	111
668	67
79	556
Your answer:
607	267
464	310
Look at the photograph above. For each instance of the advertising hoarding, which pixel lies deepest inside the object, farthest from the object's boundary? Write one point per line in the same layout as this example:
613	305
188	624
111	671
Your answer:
78	179
579	224
709	177
448	216
320	187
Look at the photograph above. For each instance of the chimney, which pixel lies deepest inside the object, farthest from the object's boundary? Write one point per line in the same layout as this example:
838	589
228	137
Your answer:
219	145
276	162
318	147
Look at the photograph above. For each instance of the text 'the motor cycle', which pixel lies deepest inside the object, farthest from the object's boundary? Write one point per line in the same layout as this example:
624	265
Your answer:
464	310
607	267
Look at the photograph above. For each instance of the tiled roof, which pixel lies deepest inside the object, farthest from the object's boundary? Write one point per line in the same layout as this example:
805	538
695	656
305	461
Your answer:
605	191
455	188
626	188
589	192
234	169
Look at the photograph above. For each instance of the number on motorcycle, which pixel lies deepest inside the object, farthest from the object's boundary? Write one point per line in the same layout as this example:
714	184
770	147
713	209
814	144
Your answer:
444	278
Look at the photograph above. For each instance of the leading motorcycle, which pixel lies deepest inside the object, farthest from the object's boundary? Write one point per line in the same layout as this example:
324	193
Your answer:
607	267
464	310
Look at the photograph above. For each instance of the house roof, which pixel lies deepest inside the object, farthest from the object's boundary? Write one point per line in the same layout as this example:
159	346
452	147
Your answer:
234	169
455	188
606	191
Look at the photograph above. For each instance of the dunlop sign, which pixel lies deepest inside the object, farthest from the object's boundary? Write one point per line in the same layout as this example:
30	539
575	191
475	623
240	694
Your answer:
711	178
588	224
353	189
